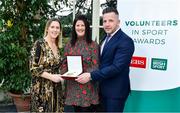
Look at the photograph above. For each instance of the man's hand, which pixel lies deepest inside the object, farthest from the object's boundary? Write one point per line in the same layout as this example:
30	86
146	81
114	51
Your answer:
84	78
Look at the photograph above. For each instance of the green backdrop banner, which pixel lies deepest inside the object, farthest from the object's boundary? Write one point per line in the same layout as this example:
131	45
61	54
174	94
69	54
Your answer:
154	101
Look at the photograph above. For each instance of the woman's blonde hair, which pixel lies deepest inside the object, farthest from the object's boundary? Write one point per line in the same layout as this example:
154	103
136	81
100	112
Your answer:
59	38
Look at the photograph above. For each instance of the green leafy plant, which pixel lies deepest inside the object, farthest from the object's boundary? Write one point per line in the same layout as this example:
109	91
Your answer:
14	59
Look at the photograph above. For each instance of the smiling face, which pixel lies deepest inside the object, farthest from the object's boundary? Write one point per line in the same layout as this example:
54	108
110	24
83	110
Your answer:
80	29
110	22
53	30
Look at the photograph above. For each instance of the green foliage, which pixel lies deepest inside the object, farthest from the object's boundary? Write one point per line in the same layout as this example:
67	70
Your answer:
22	22
109	3
13	60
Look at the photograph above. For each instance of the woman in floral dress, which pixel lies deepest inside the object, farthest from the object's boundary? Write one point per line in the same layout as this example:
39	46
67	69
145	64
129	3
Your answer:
83	97
46	90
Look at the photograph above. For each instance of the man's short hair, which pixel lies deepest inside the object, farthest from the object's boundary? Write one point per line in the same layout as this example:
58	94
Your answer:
109	10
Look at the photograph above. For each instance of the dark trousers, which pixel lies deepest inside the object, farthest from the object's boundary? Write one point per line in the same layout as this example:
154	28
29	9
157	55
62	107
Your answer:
92	108
113	105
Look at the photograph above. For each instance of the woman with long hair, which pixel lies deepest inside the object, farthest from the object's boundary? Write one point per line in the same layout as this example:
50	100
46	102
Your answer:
46	90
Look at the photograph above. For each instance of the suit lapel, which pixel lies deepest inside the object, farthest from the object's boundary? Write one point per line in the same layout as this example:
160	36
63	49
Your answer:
112	41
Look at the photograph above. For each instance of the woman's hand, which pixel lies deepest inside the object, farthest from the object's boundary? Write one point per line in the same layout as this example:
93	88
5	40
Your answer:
57	78
53	77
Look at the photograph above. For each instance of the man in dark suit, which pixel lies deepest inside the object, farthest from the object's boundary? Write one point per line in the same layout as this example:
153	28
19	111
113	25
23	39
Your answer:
115	57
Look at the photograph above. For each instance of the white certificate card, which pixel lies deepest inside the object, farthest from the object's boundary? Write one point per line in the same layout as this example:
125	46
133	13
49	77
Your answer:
74	66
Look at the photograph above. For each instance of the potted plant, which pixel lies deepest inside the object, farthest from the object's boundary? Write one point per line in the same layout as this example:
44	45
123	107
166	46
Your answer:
15	76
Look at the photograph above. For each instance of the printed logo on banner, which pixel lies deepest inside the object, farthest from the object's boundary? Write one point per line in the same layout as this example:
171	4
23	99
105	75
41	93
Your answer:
158	64
138	62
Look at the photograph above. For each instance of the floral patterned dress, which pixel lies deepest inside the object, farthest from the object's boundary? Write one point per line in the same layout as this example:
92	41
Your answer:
46	96
82	94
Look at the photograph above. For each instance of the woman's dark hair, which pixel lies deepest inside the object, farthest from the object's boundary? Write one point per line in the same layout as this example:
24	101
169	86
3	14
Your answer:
87	36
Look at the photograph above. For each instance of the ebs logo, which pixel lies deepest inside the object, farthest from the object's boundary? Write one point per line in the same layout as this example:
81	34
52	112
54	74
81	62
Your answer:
138	62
